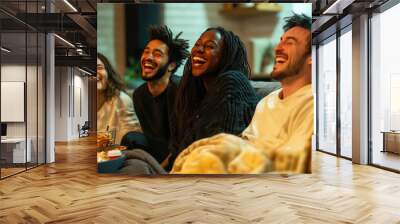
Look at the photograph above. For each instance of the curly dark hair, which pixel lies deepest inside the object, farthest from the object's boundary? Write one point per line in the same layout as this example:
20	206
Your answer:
301	20
114	83
177	47
191	89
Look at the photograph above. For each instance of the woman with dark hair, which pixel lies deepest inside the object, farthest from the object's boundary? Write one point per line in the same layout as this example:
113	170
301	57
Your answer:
114	107
214	96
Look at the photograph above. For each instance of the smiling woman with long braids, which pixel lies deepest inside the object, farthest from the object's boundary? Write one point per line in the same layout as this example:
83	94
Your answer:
214	96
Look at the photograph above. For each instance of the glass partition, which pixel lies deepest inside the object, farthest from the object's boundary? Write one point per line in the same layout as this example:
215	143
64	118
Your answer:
346	93
327	96
13	86
22	88
385	89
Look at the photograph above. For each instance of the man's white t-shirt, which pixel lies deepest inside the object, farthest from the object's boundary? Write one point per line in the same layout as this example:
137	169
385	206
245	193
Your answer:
283	124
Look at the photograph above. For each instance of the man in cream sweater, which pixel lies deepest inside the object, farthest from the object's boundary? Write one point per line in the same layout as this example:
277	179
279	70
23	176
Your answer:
279	135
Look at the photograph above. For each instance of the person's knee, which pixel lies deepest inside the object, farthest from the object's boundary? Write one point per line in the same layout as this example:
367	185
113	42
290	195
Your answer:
136	154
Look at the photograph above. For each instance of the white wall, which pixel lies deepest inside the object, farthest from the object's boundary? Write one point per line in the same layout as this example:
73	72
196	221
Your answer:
33	127
61	103
11	73
15	73
71	102
80	108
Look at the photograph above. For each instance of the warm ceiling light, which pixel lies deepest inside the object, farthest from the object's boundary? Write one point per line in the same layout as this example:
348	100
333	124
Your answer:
70	5
5	50
65	41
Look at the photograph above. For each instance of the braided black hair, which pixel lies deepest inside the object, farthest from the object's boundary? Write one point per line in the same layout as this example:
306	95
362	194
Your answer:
177	47
234	54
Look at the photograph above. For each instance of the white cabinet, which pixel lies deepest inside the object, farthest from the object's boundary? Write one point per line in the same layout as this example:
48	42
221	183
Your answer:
18	149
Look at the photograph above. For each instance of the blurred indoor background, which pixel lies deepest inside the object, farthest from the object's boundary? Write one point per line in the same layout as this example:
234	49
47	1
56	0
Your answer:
122	30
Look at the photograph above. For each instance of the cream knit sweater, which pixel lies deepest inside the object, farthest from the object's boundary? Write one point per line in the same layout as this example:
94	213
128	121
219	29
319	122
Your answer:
119	115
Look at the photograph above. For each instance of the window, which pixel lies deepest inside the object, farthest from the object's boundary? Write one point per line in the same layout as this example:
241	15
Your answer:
346	93
385	88
327	96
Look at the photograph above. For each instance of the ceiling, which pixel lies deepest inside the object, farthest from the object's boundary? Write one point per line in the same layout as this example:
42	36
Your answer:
328	15
73	20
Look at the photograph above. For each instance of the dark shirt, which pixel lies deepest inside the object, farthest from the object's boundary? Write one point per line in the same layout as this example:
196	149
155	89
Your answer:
227	107
154	115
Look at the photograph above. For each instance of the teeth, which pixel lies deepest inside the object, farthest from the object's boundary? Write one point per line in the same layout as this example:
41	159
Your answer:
148	65
198	59
280	59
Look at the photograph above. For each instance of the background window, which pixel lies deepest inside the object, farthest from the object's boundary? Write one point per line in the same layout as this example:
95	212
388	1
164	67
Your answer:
327	96
346	94
385	88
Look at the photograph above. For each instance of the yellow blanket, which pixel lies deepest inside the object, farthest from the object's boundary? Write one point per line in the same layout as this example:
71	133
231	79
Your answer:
229	154
221	154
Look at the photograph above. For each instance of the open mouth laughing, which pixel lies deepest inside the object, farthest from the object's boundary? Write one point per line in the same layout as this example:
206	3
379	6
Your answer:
281	58
148	67
198	61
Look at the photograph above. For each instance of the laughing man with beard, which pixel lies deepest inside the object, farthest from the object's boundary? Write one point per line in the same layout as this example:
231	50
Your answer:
154	100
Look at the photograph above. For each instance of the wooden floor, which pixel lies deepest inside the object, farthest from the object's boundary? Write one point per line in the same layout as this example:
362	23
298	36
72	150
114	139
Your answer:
70	191
10	171
5	172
